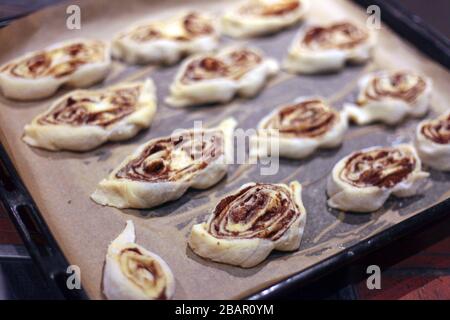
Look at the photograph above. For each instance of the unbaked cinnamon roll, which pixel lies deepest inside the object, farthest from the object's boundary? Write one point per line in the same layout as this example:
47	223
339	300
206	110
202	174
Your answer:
84	119
329	47
364	180
77	63
247	225
433	142
134	273
218	77
163	169
390	96
166	41
299	128
259	17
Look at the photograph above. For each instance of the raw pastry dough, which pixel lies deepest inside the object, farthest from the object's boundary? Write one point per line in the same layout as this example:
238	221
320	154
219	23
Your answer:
433	142
76	63
247	225
166	41
328	47
259	17
390	97
134	273
218	77
164	168
84	119
364	180
300	128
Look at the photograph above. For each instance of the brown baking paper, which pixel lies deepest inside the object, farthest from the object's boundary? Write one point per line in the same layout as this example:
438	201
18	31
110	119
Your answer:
61	182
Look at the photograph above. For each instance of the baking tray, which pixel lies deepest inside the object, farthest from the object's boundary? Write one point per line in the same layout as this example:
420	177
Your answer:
45	250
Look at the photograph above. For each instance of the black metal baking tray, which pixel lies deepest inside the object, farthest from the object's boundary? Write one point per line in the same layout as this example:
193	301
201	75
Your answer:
48	256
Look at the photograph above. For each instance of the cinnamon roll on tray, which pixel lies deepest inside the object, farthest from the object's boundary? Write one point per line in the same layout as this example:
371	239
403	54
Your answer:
133	273
260	17
163	169
299	128
218	77
76	63
166	41
364	180
433	142
84	119
326	48
247	225
390	96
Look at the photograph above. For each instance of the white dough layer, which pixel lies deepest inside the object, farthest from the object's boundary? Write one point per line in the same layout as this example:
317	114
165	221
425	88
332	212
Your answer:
218	77
163	169
328	48
77	63
84	119
364	180
390	97
134	273
259	17
299	129
433	142
227	237
166	41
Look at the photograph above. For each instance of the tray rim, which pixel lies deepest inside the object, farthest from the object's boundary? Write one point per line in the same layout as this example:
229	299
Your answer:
53	264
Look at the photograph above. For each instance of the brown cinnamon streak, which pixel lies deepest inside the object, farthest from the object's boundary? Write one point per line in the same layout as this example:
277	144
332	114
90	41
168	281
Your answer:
41	64
74	110
233	65
279	212
399	90
438	130
310	118
382	168
156	161
324	37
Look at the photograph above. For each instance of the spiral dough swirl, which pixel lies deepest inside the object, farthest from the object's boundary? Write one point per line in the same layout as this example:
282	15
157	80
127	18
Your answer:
80	110
193	25
382	167
174	158
144	272
260	211
438	130
233	65
58	62
398	85
344	35
310	118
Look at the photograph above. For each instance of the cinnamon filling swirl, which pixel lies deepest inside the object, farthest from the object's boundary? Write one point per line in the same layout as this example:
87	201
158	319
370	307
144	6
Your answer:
192	25
143	271
383	168
102	109
277	8
232	65
311	118
58	62
438	130
195	25
174	158
398	85
261	211
343	35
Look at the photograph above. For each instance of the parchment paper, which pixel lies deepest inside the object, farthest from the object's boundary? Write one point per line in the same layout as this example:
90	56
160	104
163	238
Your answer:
61	182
